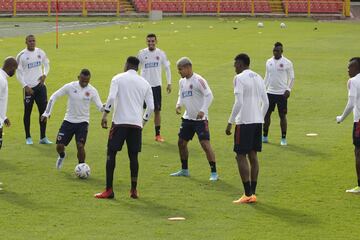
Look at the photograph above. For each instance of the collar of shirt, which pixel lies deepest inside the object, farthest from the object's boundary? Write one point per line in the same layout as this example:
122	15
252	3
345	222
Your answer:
132	71
3	73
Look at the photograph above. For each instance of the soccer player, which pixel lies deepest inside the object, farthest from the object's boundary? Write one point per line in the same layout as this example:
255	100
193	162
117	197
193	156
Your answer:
32	71
251	104
76	122
128	92
196	96
353	104
8	70
279	80
152	60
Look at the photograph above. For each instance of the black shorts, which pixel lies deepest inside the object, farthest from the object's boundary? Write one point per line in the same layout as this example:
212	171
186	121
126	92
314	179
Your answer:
280	101
39	96
247	138
157	98
119	133
189	127
68	130
356	134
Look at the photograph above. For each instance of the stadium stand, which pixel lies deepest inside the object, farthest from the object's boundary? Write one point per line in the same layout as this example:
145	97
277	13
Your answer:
177	6
323	6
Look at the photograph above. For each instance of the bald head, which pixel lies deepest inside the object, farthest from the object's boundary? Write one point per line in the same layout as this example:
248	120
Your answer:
10	65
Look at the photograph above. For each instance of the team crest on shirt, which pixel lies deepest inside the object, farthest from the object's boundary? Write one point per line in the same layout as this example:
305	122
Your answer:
75	91
281	65
87	94
157	58
191	86
27	58
39	56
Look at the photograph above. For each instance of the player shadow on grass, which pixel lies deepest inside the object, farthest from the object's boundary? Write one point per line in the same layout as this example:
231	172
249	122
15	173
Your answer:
91	180
300	150
7	167
219	185
285	214
152	207
18	199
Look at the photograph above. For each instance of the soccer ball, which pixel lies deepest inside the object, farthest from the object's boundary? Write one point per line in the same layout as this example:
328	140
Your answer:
282	25
82	170
260	25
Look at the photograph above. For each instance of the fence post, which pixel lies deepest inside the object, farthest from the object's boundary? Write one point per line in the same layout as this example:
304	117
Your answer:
14	8
118	8
346	6
252	8
184	8
218	8
84	10
308	8
49	8
149	6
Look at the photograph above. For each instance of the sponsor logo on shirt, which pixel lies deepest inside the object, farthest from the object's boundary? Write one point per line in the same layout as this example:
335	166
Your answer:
34	64
186	94
151	65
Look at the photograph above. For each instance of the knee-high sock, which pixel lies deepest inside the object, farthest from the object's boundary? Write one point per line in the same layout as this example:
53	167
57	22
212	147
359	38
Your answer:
110	166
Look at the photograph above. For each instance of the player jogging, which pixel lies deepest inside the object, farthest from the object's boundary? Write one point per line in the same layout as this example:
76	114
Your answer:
251	104
76	122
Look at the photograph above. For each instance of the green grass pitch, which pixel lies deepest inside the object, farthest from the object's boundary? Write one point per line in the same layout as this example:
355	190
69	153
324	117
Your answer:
301	190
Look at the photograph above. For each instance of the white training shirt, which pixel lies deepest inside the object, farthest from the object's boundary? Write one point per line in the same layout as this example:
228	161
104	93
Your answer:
279	75
78	105
128	91
32	65
251	101
354	91
3	96
195	94
151	63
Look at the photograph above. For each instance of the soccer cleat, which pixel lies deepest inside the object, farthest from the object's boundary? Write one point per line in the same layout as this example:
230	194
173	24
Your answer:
354	190
134	194
283	142
29	141
245	199
214	176
265	139
159	138
45	140
60	161
106	194
182	172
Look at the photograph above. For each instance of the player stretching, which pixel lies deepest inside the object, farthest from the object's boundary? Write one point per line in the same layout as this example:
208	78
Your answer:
76	122
354	105
32	71
151	61
251	104
8	70
279	80
128	91
196	96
